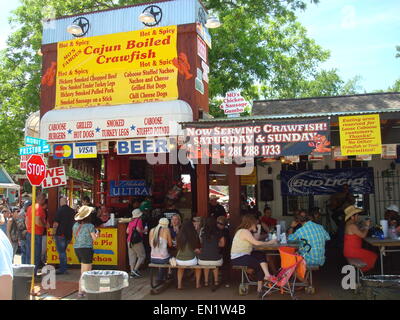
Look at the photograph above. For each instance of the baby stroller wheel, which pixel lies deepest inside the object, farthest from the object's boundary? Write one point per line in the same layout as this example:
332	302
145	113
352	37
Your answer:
310	290
243	289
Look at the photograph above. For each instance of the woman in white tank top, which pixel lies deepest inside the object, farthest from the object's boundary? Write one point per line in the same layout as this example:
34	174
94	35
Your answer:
160	240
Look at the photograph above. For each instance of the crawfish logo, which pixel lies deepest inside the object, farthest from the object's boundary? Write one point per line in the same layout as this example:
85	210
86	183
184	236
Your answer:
183	65
320	143
49	77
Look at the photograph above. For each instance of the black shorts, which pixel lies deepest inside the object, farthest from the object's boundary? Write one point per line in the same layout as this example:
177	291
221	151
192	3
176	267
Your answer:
85	255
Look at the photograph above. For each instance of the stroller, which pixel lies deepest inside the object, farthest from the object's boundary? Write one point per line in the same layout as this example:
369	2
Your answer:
293	265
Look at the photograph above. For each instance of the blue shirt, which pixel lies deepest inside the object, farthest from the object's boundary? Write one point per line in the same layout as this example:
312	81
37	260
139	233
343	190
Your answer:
3	226
82	237
6	255
316	236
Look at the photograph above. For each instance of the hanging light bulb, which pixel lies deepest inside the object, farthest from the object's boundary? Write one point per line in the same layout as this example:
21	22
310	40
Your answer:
213	22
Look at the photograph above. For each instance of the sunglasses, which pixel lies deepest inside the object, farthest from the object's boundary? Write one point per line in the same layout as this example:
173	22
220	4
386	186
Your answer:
220	223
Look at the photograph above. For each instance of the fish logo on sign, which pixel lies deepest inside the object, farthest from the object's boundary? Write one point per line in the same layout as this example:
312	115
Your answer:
63	151
85	150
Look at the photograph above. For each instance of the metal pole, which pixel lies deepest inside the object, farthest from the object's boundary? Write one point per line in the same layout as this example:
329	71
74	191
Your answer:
33	213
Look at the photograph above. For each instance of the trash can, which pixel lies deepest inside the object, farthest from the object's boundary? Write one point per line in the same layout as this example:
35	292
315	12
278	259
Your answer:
22	280
381	287
104	284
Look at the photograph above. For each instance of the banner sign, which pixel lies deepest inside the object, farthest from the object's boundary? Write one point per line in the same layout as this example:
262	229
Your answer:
118	68
85	150
143	146
260	138
55	177
111	129
105	248
129	188
323	182
360	135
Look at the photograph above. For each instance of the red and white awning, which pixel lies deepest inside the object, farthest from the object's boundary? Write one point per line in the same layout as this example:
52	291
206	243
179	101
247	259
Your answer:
152	119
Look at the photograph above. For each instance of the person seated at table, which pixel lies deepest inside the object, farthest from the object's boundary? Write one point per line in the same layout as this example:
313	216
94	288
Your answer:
316	215
353	236
392	215
160	240
211	240
242	253
223	228
188	245
296	224
267	221
315	235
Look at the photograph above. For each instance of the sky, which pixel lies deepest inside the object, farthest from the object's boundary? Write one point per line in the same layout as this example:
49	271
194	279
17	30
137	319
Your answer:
360	34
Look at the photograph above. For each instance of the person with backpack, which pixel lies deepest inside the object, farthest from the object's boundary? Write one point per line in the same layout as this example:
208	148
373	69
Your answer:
136	251
84	234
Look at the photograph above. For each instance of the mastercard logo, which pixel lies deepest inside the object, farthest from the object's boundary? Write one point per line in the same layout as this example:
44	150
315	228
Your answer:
63	151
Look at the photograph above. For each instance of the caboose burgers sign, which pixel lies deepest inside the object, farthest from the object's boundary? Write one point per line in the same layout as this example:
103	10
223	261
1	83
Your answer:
263	139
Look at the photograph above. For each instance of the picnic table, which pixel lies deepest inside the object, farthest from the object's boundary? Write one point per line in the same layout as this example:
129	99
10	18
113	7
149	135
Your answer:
382	244
275	247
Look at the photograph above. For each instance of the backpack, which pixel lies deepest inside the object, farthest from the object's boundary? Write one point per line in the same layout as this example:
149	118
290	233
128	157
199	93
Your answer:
135	237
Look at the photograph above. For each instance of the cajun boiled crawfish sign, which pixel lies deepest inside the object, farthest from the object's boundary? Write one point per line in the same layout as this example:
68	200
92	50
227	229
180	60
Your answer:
260	138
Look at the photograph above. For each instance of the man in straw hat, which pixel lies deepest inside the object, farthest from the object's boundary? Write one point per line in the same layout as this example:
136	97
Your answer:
353	238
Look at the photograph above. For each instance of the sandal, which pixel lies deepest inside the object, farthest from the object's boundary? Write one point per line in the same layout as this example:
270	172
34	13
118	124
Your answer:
206	284
81	295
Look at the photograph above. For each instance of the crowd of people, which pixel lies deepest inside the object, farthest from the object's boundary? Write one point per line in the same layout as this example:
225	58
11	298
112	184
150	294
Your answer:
162	236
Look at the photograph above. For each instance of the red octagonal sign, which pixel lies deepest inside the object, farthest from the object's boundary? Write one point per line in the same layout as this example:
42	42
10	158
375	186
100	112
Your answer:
35	170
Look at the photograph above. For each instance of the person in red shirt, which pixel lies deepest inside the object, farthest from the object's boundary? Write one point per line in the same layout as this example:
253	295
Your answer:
39	229
267	222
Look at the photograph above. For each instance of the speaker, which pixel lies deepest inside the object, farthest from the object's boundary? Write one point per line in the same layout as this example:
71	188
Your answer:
267	190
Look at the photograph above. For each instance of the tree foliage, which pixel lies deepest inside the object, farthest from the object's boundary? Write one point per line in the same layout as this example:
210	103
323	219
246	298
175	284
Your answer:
259	44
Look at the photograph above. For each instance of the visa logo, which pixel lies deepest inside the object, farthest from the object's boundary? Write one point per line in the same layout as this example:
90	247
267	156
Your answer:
86	150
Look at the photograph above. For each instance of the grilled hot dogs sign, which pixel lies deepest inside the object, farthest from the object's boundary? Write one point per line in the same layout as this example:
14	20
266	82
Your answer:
264	139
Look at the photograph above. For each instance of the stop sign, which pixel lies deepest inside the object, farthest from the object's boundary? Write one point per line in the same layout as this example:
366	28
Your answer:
35	170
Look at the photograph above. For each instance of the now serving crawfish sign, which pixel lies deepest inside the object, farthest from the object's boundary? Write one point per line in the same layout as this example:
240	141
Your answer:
261	138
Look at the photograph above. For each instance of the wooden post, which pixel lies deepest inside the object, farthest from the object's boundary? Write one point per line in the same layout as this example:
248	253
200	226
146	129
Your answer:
202	190
234	197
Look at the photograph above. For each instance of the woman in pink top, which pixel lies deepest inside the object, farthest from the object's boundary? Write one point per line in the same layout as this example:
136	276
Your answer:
136	252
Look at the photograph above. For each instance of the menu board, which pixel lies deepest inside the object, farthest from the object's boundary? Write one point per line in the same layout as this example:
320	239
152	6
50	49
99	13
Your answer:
119	68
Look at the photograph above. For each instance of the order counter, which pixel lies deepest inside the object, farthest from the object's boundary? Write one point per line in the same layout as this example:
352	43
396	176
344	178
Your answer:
110	249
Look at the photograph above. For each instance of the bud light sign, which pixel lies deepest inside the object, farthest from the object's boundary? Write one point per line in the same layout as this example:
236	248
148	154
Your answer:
322	182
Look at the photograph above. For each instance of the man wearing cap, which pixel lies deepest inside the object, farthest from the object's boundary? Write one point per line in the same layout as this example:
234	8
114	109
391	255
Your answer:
136	251
215	209
353	238
316	236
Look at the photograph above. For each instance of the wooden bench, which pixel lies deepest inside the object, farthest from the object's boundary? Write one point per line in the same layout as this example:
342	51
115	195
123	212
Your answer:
245	282
159	287
358	264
